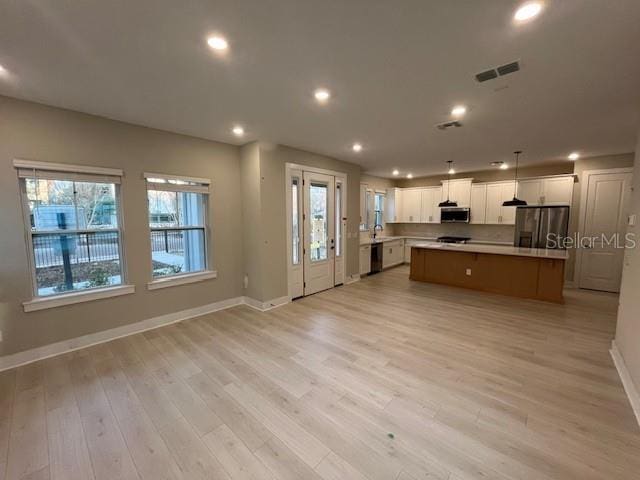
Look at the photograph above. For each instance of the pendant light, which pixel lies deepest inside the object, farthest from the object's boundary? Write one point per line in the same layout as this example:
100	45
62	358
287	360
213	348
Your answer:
516	202
449	203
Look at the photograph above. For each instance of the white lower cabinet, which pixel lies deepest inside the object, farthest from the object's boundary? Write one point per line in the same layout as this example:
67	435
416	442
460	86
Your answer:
392	253
365	259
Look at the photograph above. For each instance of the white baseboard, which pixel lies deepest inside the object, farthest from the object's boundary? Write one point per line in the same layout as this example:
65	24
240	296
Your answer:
627	382
268	305
352	278
65	346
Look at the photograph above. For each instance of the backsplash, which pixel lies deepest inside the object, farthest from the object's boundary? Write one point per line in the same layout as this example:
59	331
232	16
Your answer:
487	233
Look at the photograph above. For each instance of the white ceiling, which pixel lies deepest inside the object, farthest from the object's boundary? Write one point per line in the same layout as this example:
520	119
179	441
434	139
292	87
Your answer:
395	69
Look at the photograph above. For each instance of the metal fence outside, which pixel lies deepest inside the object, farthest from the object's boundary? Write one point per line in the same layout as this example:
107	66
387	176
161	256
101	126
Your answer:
49	248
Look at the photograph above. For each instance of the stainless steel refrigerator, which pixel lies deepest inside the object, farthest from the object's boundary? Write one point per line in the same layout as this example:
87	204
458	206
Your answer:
541	226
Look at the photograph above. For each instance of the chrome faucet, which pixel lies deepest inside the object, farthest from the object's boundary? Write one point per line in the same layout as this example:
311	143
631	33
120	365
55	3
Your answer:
375	228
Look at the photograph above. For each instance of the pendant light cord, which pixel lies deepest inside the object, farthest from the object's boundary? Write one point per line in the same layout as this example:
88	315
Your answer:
515	183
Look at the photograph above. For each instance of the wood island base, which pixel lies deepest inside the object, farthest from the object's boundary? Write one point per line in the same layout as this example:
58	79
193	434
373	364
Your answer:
516	276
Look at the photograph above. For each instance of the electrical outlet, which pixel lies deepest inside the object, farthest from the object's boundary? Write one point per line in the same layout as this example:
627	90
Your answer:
468	272
246	281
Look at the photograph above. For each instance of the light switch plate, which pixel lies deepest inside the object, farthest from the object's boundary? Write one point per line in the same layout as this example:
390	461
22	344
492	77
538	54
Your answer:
468	272
632	220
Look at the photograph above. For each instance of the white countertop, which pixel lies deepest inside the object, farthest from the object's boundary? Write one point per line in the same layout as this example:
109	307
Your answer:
496	249
383	239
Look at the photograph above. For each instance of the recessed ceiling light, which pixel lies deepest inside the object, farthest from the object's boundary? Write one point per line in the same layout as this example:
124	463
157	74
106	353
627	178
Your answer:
504	166
238	131
458	110
409	175
322	95
574	156
218	43
527	11
357	147
396	173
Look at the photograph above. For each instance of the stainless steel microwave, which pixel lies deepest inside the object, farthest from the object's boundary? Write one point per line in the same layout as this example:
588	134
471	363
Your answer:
455	215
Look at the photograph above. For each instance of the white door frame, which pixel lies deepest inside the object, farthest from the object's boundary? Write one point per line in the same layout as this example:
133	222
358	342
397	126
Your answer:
291	169
584	189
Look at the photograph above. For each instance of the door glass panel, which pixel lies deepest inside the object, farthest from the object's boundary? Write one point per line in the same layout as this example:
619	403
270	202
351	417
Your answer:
319	227
338	220
295	225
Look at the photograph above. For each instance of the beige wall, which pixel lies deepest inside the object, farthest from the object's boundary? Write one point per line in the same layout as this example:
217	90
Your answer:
251	219
37	132
628	329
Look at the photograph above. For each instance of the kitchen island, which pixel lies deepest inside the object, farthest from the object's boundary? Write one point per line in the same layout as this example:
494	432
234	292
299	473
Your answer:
519	272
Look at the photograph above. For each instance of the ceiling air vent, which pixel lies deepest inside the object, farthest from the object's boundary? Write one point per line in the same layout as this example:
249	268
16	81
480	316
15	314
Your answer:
445	125
488	75
508	68
502	70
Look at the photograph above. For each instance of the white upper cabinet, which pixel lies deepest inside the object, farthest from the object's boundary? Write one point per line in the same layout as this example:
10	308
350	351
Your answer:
411	205
547	191
420	205
393	205
478	203
495	213
530	190
557	190
459	191
430	199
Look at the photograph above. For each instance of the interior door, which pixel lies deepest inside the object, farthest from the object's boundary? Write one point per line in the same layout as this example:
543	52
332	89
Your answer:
319	228
605	216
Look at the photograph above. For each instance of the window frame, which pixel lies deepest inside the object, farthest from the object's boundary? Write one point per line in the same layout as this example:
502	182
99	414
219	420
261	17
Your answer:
191	185
383	200
70	173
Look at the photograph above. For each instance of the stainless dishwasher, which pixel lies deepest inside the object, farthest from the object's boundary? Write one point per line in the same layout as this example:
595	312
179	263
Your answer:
376	258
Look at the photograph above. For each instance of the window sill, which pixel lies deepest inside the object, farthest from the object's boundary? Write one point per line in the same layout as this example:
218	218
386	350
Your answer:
182	279
43	303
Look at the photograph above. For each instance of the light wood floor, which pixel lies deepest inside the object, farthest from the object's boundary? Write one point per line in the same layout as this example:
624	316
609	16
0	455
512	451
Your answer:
382	379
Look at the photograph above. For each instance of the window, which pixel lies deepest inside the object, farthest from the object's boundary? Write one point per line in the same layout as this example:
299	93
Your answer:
178	223
378	209
318	198
338	219
73	227
295	223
